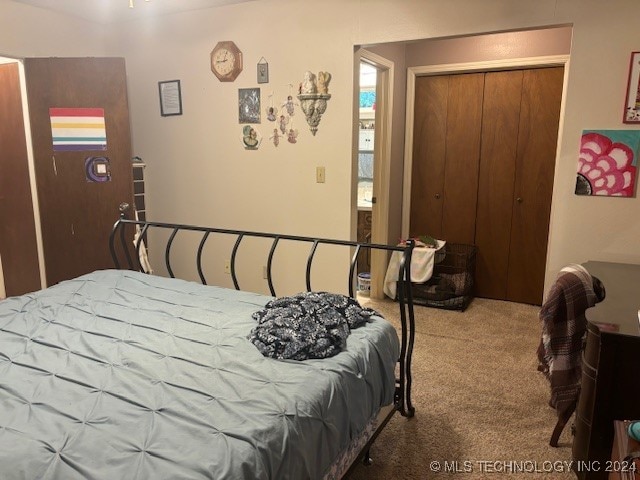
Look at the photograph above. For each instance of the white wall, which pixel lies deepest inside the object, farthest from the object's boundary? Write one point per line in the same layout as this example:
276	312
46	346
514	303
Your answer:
27	31
198	171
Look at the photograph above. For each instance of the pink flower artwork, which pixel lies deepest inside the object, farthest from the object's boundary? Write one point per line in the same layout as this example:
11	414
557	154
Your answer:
607	163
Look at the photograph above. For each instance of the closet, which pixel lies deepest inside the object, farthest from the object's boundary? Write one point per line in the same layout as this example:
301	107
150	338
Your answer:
482	171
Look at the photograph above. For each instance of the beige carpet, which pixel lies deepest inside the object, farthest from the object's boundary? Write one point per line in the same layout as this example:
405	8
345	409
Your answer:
481	405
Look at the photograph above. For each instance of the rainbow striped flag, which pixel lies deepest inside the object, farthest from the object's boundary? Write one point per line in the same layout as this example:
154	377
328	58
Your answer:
78	129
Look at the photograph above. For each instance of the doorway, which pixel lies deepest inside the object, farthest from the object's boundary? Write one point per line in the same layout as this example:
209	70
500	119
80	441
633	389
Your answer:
366	143
373	120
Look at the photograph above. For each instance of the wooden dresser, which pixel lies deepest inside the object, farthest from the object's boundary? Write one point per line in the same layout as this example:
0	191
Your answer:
611	368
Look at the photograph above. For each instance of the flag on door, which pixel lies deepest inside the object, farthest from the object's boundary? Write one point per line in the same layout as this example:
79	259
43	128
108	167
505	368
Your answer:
78	129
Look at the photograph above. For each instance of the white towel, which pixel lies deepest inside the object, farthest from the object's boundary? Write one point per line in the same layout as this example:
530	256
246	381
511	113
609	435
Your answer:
422	261
144	259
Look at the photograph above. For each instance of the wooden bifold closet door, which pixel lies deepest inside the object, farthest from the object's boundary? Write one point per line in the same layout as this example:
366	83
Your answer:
445	169
482	172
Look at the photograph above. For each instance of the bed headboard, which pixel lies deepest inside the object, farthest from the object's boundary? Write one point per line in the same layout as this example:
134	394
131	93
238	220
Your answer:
126	255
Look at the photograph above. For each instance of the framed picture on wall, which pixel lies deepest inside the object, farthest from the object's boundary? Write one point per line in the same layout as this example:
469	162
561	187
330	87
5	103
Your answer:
248	105
170	98
608	163
632	100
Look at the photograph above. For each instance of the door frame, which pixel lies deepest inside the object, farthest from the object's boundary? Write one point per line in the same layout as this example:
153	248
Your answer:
19	61
484	66
443	69
381	160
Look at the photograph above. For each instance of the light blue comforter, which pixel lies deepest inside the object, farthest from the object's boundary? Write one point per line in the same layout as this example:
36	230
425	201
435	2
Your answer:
122	375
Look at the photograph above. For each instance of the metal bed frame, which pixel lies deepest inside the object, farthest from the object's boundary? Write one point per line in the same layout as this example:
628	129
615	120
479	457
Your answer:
121	248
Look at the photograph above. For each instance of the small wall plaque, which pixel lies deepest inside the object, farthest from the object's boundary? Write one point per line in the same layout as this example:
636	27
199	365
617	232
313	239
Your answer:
263	71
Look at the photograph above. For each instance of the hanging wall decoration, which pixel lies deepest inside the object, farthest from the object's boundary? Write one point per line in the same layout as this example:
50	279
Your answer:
263	71
292	134
97	169
78	129
249	105
250	138
275	137
608	163
282	123
313	96
289	104
271	111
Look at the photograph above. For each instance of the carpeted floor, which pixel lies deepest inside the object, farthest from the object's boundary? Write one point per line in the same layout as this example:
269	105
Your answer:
481	405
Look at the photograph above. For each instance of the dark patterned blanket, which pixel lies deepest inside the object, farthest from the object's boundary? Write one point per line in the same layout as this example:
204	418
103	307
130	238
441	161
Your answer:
307	325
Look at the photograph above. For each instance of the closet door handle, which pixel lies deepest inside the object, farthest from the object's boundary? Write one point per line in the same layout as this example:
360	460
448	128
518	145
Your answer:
519	200
437	195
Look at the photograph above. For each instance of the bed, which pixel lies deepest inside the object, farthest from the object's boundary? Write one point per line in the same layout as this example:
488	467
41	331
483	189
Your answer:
123	374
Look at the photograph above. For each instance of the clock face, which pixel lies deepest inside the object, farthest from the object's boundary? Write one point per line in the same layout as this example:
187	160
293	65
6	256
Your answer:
226	61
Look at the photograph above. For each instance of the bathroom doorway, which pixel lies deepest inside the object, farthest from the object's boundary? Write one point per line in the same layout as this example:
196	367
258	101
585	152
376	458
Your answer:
373	120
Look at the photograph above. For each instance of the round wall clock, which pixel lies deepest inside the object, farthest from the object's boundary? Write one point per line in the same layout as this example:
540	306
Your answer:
226	61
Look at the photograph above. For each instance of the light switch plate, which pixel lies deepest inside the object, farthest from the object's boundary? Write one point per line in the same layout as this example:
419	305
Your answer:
320	175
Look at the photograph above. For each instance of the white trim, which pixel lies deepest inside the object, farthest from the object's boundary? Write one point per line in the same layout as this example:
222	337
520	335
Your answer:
375	59
3	292
442	69
32	175
382	163
508	64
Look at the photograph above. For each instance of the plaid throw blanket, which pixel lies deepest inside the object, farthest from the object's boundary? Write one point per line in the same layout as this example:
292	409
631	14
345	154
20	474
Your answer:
563	329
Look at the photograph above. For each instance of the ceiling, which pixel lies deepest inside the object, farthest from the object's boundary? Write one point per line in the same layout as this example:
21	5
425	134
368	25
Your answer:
111	11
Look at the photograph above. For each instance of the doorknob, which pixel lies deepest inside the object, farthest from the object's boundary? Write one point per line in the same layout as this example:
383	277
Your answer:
437	195
519	199
124	208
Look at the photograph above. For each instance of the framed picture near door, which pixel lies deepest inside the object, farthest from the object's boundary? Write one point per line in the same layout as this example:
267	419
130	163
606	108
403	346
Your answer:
170	98
632	100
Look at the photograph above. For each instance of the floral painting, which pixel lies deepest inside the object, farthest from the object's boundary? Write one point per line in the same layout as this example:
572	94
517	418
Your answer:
608	163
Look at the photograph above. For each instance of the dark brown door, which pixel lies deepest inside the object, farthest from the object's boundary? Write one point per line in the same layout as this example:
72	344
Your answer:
18	247
429	153
446	153
500	123
535	166
519	135
77	212
463	155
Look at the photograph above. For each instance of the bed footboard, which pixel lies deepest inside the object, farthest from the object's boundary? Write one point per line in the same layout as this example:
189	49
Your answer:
126	255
